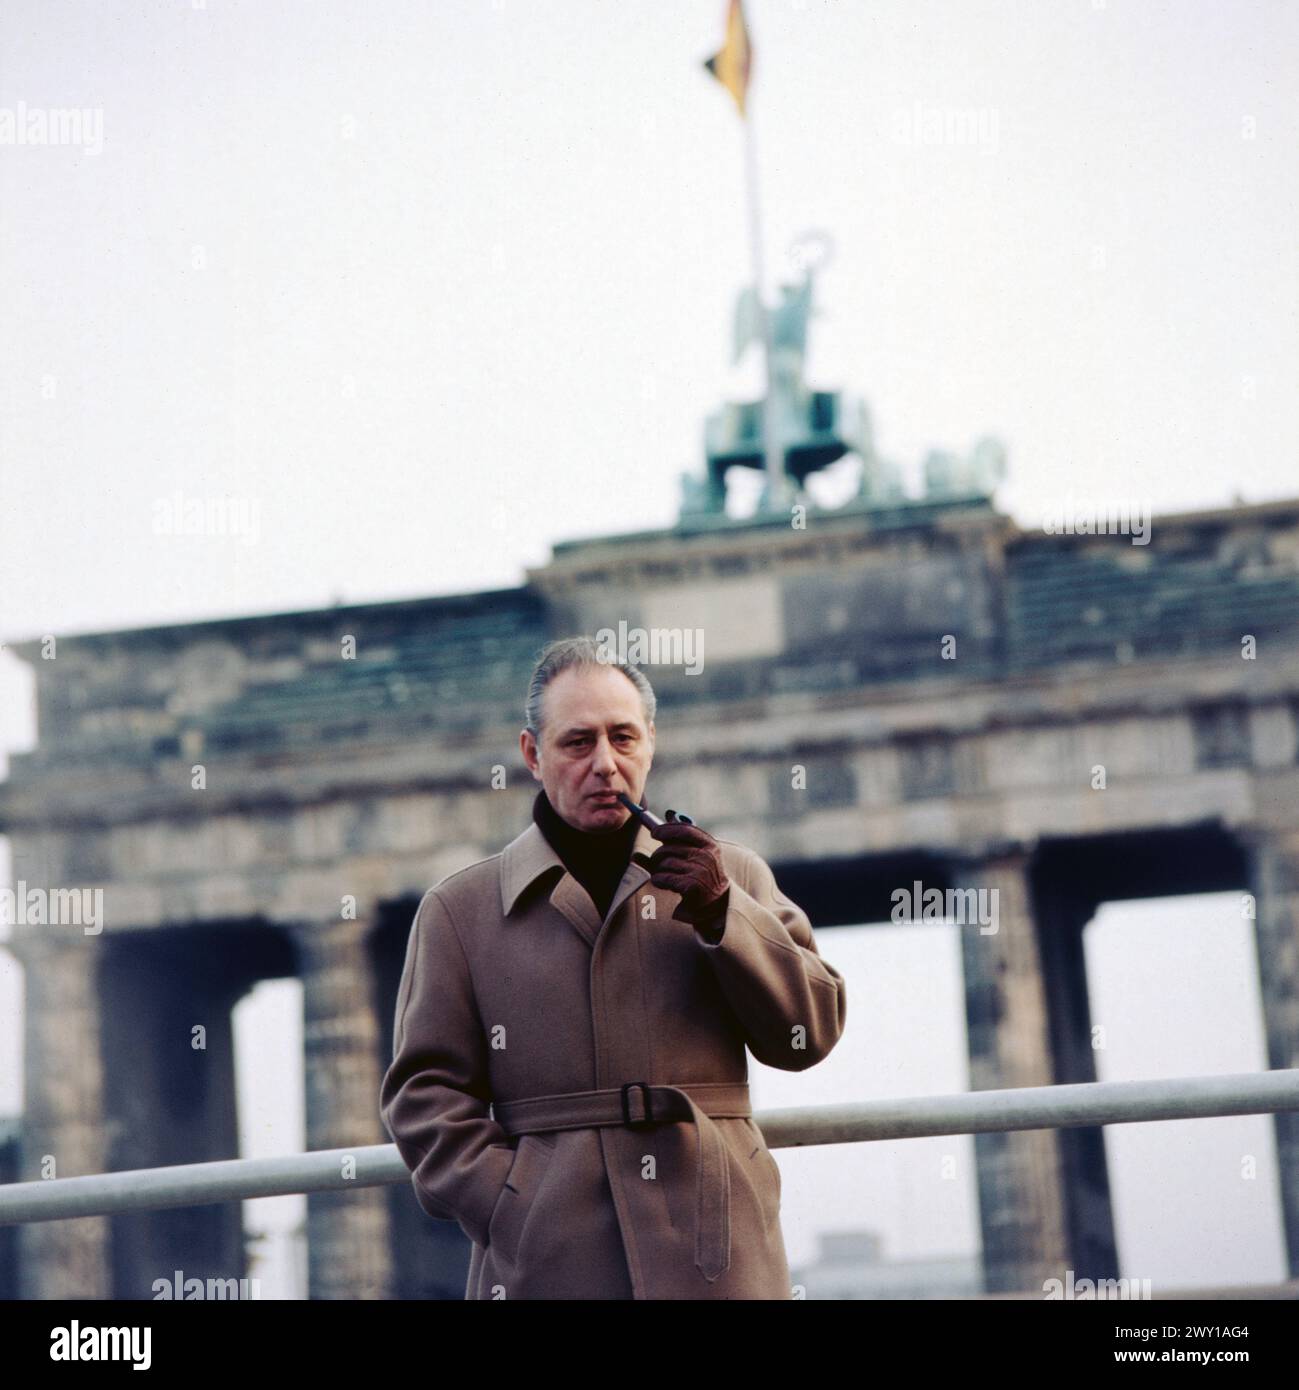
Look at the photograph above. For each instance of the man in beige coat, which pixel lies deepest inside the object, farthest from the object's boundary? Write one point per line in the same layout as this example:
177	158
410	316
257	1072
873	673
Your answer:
569	1080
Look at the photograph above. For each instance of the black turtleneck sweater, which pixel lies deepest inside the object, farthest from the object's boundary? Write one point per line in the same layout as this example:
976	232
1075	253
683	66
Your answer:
597	862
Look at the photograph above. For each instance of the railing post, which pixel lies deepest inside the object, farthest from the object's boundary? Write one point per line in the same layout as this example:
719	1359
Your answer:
1021	1196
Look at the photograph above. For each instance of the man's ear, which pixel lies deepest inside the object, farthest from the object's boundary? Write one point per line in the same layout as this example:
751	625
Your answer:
528	747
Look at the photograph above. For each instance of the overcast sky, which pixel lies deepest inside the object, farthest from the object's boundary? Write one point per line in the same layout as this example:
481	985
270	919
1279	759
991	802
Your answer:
428	287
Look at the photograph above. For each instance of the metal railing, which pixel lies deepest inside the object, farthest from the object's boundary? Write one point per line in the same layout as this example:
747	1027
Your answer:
974	1112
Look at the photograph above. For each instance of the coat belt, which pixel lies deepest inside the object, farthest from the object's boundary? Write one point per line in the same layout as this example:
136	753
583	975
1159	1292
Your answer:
638	1105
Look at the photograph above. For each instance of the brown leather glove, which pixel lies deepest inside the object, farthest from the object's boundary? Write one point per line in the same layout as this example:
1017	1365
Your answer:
689	862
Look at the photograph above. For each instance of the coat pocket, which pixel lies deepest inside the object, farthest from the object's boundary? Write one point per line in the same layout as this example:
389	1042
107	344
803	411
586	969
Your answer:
514	1204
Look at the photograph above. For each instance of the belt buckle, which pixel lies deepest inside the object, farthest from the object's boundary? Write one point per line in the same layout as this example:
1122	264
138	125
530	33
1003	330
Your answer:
626	1106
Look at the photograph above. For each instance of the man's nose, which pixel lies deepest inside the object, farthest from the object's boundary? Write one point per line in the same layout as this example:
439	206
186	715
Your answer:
604	762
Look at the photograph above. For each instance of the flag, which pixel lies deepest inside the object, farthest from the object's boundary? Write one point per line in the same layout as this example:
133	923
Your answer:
732	63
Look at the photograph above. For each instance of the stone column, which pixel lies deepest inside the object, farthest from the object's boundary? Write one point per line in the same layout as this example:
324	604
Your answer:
1274	874
1021	1198
63	1116
348	1233
1062	914
169	1102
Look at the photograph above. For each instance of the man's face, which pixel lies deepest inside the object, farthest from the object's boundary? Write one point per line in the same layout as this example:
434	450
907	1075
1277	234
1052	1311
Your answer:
594	741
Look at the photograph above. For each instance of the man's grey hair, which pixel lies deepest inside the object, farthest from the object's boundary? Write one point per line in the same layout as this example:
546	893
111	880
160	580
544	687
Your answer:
578	652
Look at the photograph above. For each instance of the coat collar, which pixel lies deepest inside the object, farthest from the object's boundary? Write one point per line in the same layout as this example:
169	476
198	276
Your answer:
530	854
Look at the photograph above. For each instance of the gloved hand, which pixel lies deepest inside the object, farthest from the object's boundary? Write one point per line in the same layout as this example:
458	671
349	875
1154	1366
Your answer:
689	862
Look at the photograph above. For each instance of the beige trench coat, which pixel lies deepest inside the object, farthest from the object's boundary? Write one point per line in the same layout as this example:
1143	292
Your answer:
514	988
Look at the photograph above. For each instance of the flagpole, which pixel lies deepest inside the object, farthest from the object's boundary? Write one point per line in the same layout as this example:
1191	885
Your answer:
772	449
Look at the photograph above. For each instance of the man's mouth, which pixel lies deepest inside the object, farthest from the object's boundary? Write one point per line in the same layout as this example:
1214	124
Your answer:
604	796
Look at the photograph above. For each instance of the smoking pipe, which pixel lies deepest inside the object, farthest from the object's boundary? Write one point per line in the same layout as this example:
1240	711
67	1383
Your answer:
648	817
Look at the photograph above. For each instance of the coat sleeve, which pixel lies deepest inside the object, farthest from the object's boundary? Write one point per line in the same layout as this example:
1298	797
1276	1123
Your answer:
435	1095
790	1002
